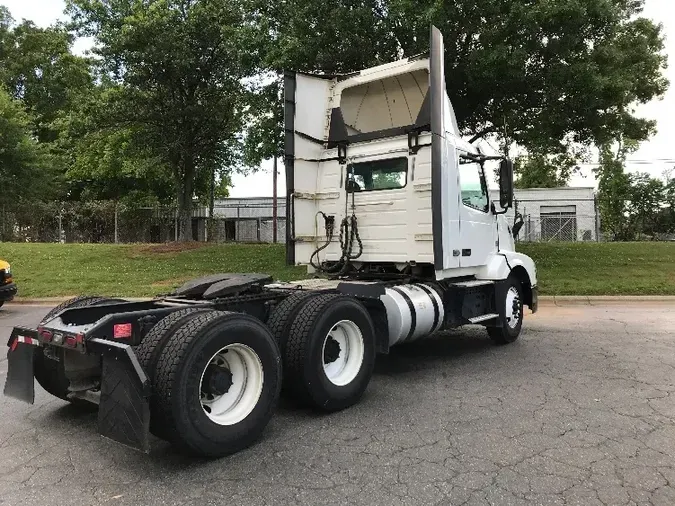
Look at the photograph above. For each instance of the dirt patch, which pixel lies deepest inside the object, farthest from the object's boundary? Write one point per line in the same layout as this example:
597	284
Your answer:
170	283
171	247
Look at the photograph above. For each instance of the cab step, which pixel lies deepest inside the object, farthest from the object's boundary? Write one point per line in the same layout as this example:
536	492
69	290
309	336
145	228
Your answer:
473	283
483	318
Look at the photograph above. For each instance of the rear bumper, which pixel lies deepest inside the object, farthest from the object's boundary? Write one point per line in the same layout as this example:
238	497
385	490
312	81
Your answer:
7	292
124	410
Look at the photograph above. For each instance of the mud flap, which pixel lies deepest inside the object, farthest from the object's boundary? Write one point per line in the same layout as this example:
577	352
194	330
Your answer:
124	410
20	383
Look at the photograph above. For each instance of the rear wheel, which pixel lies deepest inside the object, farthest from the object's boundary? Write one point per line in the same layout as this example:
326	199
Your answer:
282	317
217	383
330	353
512	320
150	349
48	366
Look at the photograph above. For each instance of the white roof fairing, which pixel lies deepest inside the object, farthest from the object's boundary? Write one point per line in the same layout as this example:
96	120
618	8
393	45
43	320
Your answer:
390	102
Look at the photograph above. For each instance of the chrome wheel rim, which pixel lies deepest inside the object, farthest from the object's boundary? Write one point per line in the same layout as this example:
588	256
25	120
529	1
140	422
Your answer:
514	310
343	352
231	384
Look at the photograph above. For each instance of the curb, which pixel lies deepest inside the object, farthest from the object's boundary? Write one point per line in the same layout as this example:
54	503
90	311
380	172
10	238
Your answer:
603	300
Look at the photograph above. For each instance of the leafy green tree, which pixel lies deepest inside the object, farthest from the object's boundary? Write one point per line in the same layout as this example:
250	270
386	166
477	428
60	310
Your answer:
23	161
38	68
614	191
103	161
537	73
539	170
647	197
180	65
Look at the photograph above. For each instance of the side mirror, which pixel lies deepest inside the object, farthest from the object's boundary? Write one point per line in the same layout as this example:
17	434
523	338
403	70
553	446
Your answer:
518	224
506	184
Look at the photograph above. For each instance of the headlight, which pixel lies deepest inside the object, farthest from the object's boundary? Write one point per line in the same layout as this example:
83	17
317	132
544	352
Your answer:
8	270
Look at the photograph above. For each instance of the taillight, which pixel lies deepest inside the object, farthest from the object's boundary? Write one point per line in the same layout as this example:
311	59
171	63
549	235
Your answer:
122	331
45	334
71	341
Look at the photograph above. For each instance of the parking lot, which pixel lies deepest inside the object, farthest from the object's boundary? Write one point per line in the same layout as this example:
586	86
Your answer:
578	411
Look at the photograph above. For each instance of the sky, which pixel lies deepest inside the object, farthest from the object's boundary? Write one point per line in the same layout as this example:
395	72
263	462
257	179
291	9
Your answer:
654	156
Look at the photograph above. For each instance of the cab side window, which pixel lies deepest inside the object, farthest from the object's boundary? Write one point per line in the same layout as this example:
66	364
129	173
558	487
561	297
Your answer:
388	174
473	185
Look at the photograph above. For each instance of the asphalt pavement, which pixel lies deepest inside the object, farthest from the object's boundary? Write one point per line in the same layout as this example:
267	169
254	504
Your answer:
578	411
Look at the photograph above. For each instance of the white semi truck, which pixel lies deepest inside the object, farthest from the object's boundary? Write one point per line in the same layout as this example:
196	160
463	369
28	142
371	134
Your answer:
385	201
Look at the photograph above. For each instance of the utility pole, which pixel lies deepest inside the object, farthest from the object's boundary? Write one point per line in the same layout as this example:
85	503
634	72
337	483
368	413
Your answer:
274	201
211	223
116	222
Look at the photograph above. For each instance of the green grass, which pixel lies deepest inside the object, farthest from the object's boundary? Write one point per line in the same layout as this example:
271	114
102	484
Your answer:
51	270
645	268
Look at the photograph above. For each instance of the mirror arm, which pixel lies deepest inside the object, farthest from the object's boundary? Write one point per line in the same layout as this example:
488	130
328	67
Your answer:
494	210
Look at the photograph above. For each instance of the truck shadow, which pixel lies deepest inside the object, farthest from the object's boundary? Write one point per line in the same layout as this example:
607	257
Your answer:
440	352
443	348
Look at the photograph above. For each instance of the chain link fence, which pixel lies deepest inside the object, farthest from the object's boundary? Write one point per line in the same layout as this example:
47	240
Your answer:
550	215
109	222
545	218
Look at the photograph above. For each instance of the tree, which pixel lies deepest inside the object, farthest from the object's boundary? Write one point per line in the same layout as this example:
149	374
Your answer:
103	161
38	68
541	74
23	162
614	191
647	195
179	66
539	170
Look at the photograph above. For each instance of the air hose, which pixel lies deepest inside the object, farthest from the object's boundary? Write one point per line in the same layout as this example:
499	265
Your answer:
349	233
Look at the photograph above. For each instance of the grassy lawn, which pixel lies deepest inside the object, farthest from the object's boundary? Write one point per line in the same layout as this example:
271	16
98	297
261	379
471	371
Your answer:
646	268
50	270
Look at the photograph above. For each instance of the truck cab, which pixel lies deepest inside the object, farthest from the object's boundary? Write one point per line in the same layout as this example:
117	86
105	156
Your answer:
380	180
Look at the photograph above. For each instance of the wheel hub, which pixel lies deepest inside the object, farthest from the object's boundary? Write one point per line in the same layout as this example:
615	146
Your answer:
343	352
217	380
513	308
331	351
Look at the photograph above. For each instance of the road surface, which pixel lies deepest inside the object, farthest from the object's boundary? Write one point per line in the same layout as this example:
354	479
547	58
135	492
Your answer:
578	411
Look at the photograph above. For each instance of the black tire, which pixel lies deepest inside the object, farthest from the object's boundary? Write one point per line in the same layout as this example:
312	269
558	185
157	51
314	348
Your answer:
150	349
49	372
178	375
282	317
2	302
304	376
506	334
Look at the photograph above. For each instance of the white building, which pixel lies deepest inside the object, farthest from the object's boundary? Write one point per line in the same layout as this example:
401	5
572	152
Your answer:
555	214
250	219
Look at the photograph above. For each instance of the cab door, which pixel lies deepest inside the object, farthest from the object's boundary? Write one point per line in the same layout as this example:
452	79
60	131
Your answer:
477	223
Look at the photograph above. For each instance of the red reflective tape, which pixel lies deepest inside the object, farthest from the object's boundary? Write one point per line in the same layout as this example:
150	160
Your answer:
28	340
14	344
122	331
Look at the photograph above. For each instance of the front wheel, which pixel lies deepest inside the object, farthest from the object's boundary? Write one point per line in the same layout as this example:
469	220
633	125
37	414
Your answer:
511	320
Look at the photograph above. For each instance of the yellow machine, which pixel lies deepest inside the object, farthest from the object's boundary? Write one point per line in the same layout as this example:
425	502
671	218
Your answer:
7	286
